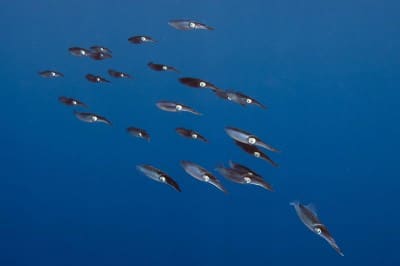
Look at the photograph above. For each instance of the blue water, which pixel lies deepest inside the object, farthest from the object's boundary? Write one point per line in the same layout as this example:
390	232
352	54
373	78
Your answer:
327	70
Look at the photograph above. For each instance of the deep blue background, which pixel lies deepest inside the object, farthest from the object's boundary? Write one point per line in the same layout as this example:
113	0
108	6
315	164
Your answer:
328	71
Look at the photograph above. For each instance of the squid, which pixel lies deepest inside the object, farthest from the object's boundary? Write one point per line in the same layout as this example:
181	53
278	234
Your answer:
169	106
253	150
100	49
91	118
309	218
71	101
161	67
247	138
138	132
189	133
51	74
238	97
243	175
141	39
201	174
78	51
187	24
118	74
96	79
158	175
197	83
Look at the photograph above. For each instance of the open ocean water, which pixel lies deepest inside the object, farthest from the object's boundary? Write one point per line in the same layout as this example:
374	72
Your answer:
328	71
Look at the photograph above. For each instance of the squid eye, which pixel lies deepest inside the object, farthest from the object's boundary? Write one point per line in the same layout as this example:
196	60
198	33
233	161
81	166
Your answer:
94	118
248	100
164	67
194	136
318	230
257	154
140	134
162	178
74	102
143	38
206	178
251	140
247	180
178	107
192	25
202	84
